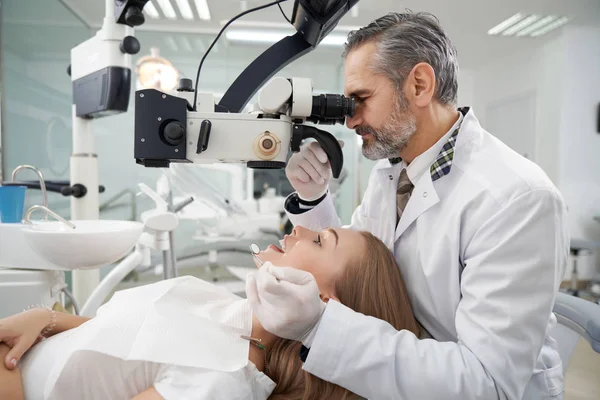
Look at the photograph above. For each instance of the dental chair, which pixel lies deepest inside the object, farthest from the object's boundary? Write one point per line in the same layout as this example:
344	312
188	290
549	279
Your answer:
576	318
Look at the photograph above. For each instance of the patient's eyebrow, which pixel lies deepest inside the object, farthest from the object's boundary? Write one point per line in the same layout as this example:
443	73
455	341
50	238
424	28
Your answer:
337	238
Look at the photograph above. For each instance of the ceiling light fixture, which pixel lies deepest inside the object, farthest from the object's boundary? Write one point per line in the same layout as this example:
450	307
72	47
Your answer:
354	11
254	36
521	25
167	9
203	10
200	45
281	25
171	43
151	11
334	40
185	9
185	44
275	36
535	26
528	25
549	27
506	24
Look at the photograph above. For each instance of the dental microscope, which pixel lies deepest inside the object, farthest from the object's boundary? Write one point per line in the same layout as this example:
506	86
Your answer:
188	127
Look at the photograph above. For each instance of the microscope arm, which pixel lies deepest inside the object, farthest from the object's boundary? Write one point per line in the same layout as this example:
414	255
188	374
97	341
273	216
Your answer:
261	70
313	20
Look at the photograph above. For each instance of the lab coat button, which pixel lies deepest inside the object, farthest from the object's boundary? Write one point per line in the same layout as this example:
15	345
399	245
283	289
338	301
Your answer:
424	194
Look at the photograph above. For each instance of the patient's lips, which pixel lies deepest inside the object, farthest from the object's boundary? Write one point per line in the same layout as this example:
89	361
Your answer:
275	248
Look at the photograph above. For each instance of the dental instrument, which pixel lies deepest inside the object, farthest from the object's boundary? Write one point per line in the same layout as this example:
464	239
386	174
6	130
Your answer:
255	250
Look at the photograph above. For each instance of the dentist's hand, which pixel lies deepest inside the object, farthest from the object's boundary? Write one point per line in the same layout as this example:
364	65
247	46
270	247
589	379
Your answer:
309	171
285	300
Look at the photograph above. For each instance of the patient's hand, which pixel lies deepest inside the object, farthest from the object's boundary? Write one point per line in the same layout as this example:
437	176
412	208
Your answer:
11	384
21	331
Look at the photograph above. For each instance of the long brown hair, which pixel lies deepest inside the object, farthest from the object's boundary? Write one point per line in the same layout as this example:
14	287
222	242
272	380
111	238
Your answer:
371	285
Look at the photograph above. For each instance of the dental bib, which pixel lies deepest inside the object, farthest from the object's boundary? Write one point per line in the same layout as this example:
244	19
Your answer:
183	321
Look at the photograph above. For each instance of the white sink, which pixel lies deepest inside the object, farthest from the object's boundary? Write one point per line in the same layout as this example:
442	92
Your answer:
91	244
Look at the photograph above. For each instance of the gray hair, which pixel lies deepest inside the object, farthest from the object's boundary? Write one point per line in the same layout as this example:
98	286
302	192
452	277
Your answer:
406	39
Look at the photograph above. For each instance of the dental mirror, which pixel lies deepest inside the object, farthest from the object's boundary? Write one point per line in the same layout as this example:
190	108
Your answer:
255	250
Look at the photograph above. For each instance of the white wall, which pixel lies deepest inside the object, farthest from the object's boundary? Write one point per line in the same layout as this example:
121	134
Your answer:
466	88
562	77
579	140
534	74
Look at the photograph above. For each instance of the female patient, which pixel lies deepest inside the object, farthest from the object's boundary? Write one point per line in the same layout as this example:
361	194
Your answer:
351	267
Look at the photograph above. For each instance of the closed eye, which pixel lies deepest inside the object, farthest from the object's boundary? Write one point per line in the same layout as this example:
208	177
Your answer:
318	241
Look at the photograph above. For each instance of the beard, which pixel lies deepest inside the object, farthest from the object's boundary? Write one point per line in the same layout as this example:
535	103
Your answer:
389	140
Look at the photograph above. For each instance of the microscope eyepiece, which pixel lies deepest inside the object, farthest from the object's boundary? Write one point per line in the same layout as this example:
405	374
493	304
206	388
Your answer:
331	108
129	12
134	16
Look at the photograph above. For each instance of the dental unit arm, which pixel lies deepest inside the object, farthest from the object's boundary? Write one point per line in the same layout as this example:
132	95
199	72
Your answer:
101	75
187	126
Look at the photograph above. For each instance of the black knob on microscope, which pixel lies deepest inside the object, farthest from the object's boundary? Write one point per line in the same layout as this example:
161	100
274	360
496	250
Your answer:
185	85
174	133
130	45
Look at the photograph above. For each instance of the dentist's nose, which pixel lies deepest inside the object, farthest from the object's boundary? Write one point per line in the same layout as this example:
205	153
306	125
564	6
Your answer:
354	121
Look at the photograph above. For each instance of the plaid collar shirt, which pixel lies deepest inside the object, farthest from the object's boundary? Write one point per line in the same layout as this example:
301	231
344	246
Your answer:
443	162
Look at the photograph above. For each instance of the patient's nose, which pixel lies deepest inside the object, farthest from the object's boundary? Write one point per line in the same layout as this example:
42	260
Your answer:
301	232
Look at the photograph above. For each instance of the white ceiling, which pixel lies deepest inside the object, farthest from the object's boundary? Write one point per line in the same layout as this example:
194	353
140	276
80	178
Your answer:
466	21
54	26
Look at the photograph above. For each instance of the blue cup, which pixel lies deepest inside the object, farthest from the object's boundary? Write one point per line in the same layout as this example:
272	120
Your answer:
12	202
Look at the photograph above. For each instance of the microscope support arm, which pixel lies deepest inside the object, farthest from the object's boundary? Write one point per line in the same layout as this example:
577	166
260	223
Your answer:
261	70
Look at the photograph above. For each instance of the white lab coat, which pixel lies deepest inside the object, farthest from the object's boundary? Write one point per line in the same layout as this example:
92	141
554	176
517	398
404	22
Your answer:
482	251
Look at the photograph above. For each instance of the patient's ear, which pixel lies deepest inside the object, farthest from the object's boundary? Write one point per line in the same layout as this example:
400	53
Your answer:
326	297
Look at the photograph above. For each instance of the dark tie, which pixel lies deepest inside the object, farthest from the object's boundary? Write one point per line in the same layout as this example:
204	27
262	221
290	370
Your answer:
403	192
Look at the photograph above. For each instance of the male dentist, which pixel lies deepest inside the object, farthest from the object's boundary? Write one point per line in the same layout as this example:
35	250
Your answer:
479	232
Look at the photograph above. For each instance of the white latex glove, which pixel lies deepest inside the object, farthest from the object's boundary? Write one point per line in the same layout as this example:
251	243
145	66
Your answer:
285	300
309	171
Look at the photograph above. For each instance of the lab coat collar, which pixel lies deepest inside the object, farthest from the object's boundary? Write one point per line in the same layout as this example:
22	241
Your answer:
435	155
470	130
